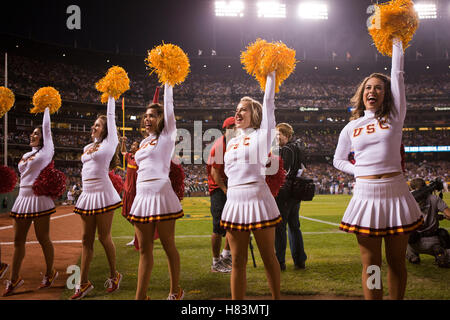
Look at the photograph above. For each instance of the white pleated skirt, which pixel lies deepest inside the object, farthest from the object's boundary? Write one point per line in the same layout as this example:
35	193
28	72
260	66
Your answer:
29	206
381	207
249	207
155	200
98	196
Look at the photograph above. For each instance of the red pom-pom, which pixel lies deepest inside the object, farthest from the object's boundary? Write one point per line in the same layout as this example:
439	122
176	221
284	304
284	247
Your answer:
51	182
8	180
177	176
275	181
117	181
351	157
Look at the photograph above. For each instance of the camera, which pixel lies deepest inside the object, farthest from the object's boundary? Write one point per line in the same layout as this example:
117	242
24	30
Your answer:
423	193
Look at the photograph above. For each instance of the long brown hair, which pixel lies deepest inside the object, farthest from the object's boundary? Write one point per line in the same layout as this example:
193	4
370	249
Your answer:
115	161
386	107
41	140
159	122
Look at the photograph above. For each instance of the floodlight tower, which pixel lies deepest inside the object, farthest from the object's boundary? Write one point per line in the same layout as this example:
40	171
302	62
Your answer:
271	9
426	10
313	12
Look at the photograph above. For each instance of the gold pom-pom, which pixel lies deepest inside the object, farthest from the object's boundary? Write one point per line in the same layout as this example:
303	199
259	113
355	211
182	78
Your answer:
7	100
393	19
113	84
262	58
46	97
169	62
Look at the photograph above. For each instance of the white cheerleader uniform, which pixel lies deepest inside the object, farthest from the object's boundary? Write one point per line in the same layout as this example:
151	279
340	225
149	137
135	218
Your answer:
99	195
250	204
27	204
155	199
379	207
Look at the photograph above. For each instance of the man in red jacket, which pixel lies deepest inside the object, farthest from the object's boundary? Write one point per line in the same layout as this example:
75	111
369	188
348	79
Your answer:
217	182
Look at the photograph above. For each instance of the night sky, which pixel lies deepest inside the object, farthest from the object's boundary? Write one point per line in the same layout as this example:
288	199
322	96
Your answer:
135	26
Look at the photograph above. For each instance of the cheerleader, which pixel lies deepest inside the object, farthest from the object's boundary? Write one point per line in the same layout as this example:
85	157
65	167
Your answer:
99	199
29	207
250	206
156	206
381	206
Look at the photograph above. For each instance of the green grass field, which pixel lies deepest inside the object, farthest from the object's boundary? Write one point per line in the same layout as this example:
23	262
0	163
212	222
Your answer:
333	266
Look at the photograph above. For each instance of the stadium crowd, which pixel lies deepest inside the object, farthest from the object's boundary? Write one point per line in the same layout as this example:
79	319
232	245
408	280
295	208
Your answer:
77	83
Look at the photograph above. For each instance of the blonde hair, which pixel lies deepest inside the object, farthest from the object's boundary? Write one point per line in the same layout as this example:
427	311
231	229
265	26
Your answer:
286	129
358	103
256	111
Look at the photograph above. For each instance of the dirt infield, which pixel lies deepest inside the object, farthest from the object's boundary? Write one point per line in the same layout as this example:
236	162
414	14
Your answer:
65	232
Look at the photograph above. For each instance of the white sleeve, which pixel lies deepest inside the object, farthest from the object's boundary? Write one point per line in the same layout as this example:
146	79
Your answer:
340	160
112	138
48	148
268	112
397	81
170	128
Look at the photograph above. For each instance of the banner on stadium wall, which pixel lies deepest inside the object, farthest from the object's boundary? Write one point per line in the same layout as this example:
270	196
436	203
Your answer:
428	149
308	109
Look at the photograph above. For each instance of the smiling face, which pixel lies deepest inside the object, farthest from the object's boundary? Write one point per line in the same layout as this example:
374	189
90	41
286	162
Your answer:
243	115
373	95
36	138
97	130
151	121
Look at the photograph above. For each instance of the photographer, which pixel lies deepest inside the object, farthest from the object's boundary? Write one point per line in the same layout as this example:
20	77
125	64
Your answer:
293	159
429	238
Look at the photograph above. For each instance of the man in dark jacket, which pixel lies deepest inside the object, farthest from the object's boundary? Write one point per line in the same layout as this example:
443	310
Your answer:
293	159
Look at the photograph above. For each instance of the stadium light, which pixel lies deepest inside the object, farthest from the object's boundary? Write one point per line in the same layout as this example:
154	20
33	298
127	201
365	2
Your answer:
229	8
426	10
313	10
271	9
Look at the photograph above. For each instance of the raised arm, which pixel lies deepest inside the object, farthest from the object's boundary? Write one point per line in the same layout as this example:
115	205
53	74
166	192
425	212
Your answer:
343	148
169	116
112	138
268	110
48	148
397	81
